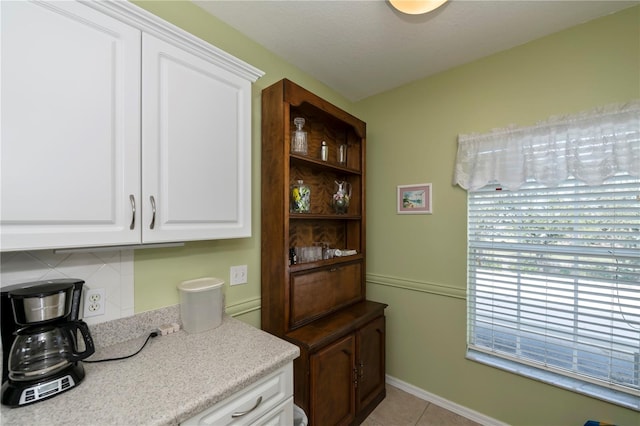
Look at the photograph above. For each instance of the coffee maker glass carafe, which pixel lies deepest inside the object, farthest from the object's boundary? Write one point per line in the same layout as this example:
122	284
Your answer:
45	350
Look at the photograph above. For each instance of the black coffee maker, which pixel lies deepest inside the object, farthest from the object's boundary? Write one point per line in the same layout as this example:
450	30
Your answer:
43	340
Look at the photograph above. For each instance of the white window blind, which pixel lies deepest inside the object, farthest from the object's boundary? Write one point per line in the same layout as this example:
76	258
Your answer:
554	250
554	278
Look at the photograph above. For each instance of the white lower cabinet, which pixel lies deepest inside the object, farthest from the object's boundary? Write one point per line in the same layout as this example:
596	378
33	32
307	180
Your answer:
269	401
117	129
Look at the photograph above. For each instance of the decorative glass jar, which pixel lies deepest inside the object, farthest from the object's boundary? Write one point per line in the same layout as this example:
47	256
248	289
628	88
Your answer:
300	198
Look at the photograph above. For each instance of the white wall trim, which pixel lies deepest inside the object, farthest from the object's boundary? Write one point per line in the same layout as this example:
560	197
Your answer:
243	307
414	285
444	403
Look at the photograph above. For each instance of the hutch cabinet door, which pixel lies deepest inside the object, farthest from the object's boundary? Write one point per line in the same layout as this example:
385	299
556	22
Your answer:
196	147
371	361
332	383
70	127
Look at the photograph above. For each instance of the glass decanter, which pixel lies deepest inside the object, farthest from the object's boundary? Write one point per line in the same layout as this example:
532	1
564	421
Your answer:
299	137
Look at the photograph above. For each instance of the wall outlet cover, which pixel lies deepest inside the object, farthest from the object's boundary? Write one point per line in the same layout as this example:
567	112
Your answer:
238	275
94	302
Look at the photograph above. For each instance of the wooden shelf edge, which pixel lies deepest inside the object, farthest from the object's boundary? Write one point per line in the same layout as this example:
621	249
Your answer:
315	216
324	164
325	263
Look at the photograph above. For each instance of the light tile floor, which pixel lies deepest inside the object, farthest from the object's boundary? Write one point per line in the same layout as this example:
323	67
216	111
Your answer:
400	408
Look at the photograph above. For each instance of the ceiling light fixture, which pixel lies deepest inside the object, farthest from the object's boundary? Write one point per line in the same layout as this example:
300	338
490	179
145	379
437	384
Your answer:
416	7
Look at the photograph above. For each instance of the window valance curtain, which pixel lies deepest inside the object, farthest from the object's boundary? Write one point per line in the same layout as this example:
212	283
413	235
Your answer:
590	146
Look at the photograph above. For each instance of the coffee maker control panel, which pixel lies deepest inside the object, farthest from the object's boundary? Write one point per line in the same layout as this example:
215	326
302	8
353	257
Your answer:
46	390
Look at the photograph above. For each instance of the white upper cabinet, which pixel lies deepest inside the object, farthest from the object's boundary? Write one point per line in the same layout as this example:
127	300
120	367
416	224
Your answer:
195	145
119	129
70	126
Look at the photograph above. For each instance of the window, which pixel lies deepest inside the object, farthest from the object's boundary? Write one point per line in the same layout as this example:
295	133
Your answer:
554	250
554	278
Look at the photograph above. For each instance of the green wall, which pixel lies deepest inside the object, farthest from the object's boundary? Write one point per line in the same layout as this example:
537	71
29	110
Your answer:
416	263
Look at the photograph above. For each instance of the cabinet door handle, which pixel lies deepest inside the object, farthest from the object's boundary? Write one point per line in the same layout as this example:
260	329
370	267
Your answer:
132	199
153	212
244	413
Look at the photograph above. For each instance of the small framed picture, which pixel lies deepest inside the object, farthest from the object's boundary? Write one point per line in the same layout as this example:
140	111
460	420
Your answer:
414	199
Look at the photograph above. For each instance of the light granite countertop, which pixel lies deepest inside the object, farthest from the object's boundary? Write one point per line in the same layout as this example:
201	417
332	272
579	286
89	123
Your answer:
173	378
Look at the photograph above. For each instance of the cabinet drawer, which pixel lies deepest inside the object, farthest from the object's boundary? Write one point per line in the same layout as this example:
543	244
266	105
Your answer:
281	415
316	293
255	401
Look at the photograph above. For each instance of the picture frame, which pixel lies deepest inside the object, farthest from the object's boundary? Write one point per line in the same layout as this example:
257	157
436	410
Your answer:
415	199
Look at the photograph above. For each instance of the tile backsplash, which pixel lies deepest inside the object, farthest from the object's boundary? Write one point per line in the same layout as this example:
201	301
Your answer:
111	270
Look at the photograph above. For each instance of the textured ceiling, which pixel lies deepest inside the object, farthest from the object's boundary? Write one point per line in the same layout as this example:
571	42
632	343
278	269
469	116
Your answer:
364	47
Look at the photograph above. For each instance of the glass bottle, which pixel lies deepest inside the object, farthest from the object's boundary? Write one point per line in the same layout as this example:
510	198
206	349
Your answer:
342	155
299	137
300	198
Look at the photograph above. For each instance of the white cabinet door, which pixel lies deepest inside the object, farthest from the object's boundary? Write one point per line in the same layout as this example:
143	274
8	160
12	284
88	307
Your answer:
196	147
70	127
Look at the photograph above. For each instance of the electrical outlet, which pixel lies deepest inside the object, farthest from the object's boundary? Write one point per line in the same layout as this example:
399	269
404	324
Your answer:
238	275
94	302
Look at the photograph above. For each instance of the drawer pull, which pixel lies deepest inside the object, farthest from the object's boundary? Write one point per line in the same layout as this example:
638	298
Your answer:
243	413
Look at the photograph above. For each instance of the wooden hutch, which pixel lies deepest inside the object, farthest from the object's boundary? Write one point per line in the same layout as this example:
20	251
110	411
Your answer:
319	304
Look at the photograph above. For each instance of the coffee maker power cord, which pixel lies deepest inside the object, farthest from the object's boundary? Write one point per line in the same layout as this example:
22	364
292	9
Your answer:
152	334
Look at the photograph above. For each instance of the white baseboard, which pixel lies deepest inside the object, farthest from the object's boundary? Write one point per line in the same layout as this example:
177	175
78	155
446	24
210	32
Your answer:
444	403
